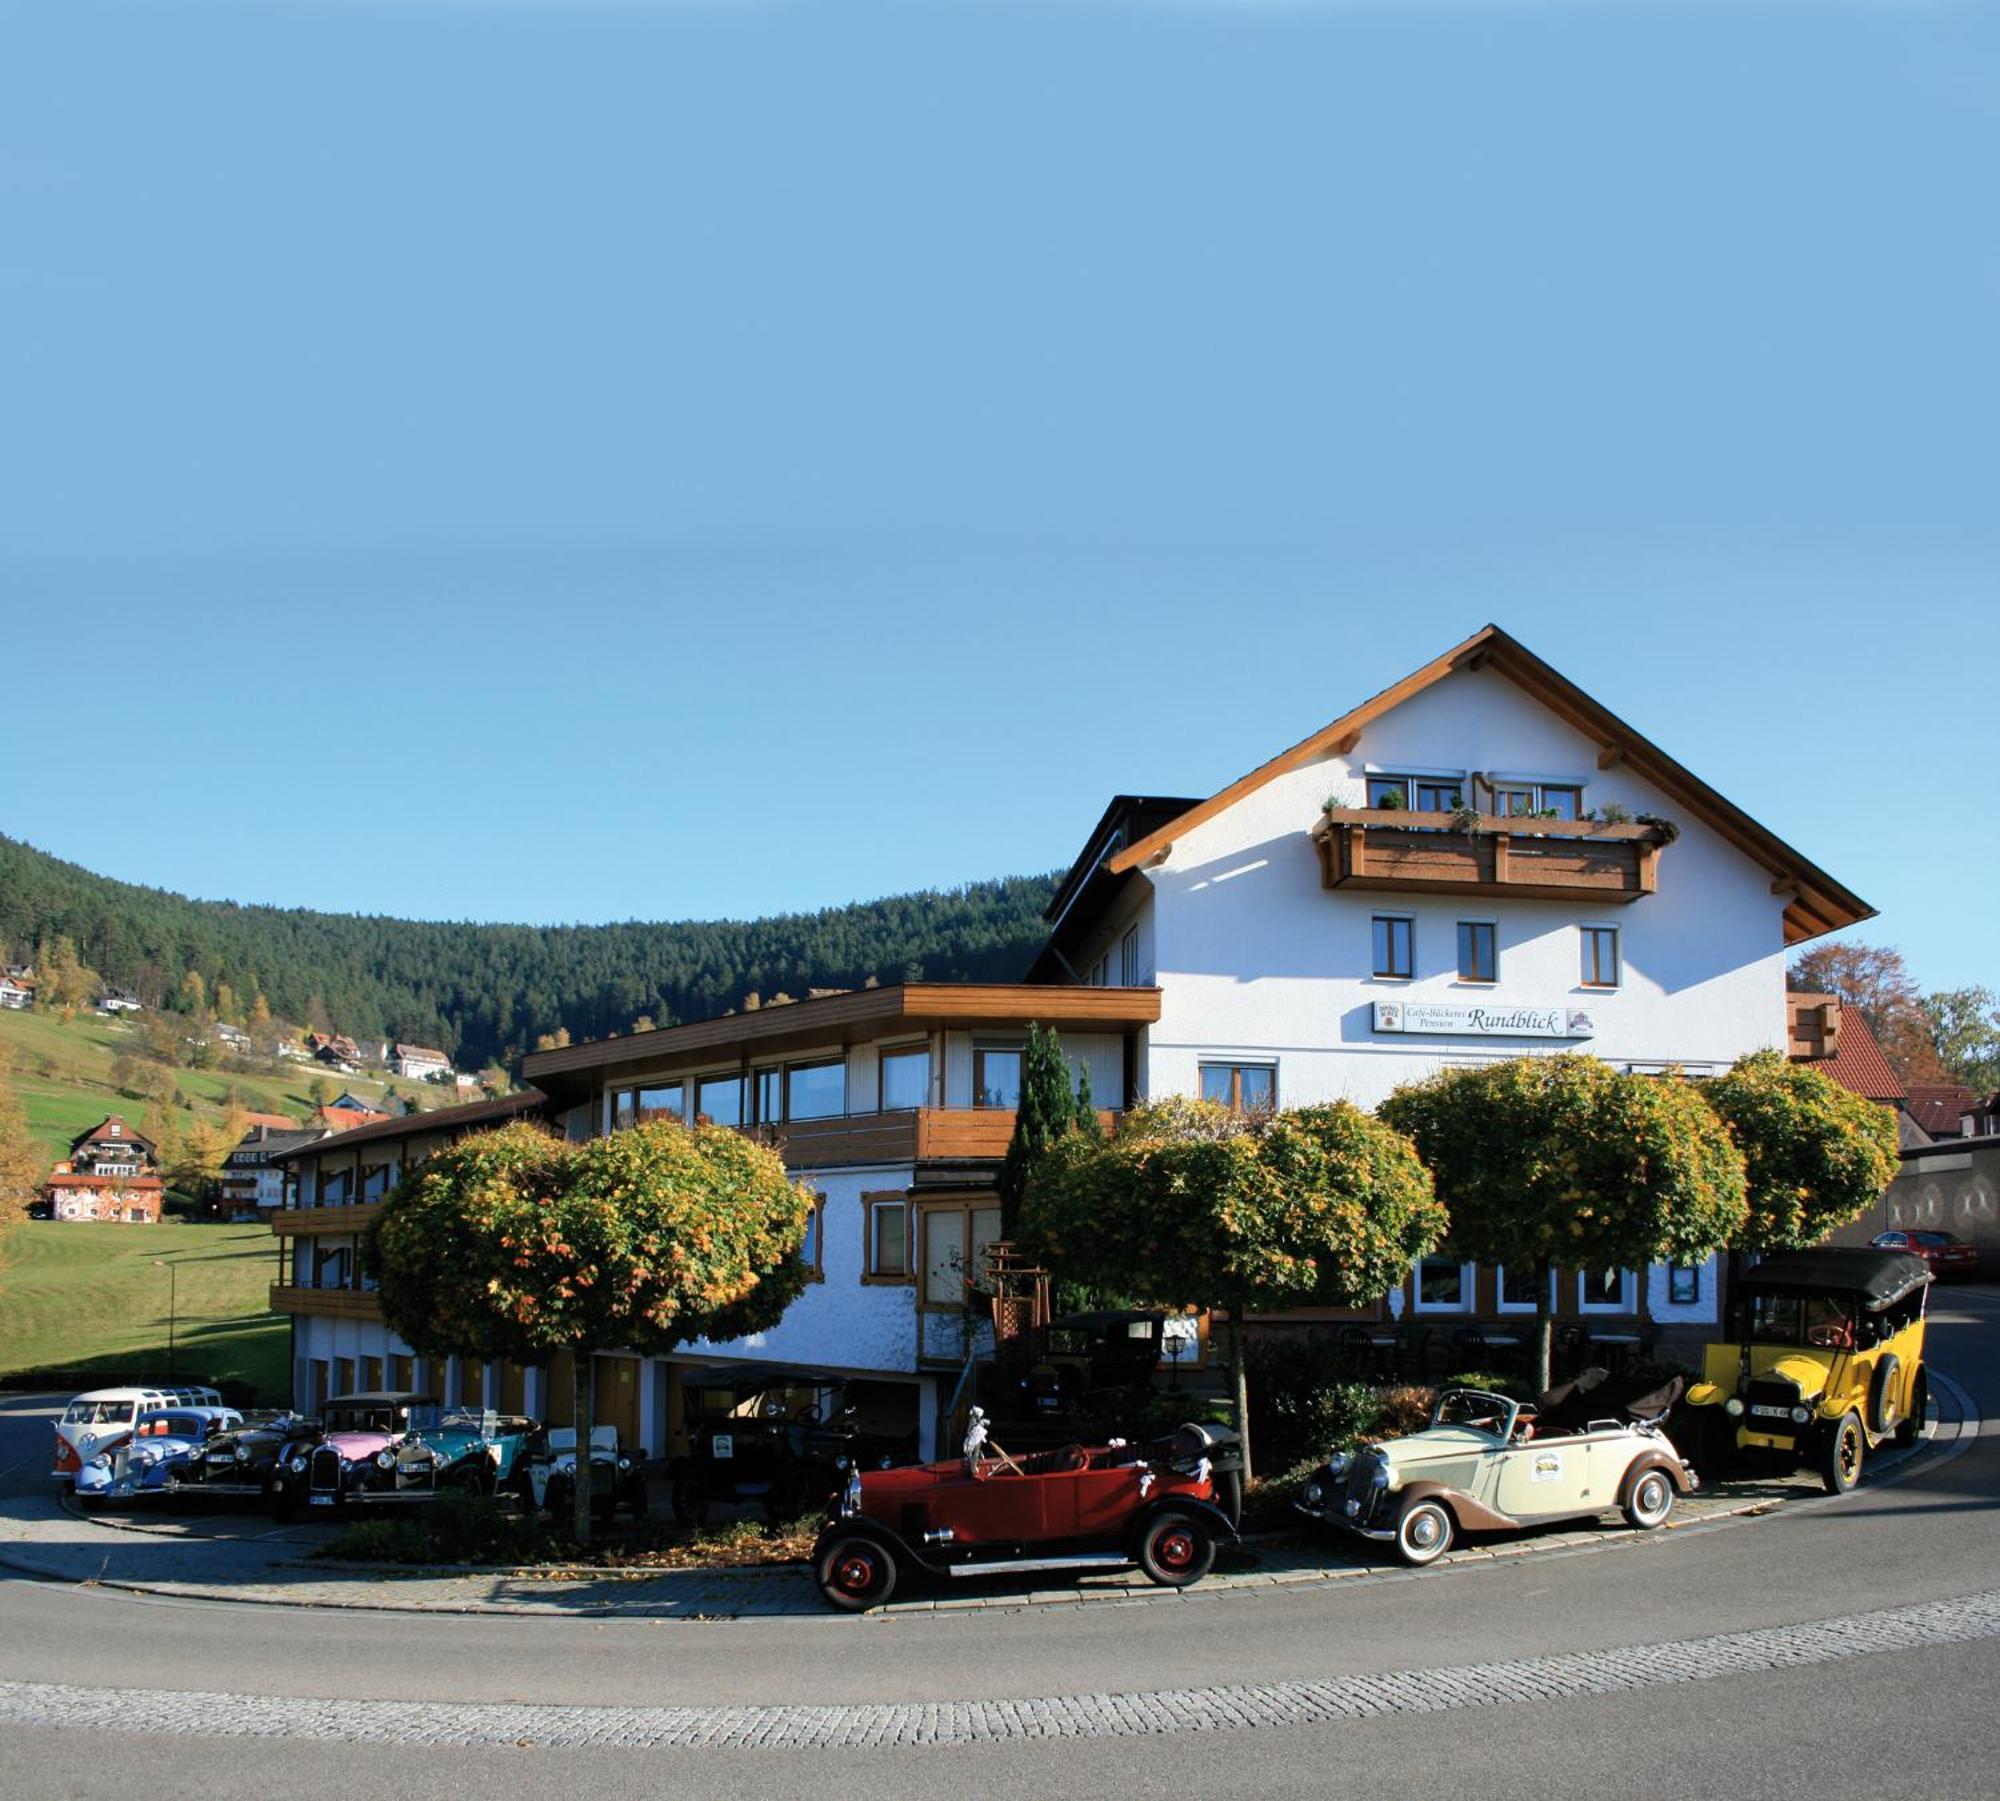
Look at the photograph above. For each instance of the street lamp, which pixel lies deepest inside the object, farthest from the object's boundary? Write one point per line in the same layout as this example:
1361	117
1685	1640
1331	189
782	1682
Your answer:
173	1310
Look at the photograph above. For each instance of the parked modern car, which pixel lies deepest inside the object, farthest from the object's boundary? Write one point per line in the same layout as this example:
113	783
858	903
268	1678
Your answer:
1165	1507
161	1442
242	1460
102	1418
1946	1253
782	1438
1486	1463
1824	1363
391	1448
546	1474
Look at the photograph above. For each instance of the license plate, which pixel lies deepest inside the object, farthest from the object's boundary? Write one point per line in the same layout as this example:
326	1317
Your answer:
1772	1413
319	1500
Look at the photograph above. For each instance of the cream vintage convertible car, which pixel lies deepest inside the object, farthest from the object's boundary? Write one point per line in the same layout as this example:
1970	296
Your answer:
1489	1464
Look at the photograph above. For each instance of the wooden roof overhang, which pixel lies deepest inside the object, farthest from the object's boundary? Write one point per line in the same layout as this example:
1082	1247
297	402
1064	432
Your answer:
843	1019
1815	903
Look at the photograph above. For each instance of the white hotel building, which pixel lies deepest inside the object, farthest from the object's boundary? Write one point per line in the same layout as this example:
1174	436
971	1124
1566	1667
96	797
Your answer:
1479	862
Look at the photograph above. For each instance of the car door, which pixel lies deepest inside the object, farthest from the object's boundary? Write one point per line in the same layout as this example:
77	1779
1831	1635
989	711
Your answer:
1544	1477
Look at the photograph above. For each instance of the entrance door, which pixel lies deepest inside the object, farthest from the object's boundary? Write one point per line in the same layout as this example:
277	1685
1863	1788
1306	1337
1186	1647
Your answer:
618	1396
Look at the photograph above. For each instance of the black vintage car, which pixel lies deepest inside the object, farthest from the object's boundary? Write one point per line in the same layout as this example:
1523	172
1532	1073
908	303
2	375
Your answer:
246	1461
545	1476
1083	1376
783	1439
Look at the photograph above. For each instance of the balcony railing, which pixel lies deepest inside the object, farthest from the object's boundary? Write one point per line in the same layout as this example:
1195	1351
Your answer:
314	1221
331	1303
1536	859
914	1135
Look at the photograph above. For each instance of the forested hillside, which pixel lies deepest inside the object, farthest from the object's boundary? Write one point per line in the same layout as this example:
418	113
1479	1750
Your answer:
485	992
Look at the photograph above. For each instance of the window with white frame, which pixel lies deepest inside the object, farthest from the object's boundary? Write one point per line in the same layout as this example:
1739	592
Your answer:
1416	793
1443	1285
887	1224
1514	1288
1605	1291
1523	798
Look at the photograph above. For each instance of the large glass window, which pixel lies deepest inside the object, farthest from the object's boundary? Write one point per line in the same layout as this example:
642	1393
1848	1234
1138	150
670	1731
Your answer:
770	1095
1559	800
1416	793
720	1099
906	1079
996	1075
1601	1291
1478	953
1516	1289
1395	945
1247	1087
816	1090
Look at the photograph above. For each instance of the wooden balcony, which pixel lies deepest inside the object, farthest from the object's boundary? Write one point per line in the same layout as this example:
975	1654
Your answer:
318	1221
1526	859
916	1135
326	1303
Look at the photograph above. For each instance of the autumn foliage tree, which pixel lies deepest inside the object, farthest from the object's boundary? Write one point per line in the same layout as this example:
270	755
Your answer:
515	1245
1550	1163
1191	1205
1815	1154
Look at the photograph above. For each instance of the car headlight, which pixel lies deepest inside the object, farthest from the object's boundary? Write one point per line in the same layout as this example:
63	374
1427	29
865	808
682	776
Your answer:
1733	1407
1314	1494
100	1463
1339	1464
624	1463
1379	1476
297	1466
1800	1415
385	1460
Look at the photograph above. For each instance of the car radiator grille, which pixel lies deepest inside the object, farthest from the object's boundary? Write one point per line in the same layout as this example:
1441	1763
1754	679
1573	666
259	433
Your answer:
1363	1491
324	1471
1772	1391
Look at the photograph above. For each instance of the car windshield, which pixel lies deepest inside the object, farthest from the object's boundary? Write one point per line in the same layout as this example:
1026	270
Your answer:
100	1413
366	1419
1469	1407
171	1425
1822	1320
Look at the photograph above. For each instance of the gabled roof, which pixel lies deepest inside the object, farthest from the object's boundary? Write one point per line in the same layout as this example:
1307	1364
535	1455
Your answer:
1817	903
421	1052
124	1135
1860	1065
1939	1107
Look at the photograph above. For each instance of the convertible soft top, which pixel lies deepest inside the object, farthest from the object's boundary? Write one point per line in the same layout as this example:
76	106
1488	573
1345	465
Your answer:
1596	1394
1881	1278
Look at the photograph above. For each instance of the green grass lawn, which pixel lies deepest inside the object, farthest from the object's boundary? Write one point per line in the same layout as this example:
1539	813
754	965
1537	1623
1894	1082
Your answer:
62	1072
76	1295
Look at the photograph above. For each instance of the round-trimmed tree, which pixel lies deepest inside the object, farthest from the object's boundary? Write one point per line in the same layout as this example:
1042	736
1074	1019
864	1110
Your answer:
1563	1162
515	1244
1191	1205
1815	1153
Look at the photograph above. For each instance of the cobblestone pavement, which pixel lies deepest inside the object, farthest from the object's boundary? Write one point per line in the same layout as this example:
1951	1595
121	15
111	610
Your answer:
242	1557
1097	1715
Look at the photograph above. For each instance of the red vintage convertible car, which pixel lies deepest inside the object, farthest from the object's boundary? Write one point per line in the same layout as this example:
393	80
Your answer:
1162	1506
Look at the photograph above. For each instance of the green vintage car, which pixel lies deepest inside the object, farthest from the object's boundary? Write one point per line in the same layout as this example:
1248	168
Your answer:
399	1447
1487	1463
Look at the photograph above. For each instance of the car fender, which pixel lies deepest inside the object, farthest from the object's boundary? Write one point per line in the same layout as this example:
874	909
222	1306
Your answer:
1473	1515
1207	1512
1684	1479
1704	1394
860	1525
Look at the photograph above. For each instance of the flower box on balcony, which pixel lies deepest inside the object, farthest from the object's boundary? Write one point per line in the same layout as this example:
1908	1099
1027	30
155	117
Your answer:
1541	859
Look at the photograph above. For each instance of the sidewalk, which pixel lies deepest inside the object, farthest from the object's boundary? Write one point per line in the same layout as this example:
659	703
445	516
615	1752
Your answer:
242	1557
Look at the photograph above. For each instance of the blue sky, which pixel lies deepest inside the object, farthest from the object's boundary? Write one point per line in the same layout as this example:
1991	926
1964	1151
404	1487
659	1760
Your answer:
592	461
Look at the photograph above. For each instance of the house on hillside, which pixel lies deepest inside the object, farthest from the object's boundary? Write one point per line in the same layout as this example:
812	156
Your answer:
418	1062
234	1037
252	1183
345	1114
119	1000
111	1173
17	993
1480	862
337	1051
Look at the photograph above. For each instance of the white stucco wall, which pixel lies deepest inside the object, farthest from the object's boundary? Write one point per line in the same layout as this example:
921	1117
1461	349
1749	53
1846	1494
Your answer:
1257	959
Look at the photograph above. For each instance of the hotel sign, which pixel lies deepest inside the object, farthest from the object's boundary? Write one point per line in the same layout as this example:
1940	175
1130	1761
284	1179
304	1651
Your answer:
1447	1019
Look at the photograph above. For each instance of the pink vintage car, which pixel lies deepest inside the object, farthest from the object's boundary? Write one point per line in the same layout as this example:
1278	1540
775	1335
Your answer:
1163	1506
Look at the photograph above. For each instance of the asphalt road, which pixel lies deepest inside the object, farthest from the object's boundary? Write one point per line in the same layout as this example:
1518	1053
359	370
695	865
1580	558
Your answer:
1872	1723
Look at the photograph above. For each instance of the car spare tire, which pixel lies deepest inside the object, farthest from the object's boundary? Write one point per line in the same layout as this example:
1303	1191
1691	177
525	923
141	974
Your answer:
1911	1427
1882	1393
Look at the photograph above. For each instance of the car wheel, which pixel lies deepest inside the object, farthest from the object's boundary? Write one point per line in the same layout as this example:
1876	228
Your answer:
1650	1501
855	1573
468	1479
690	1501
1176	1549
1911	1427
1841	1454
1423	1532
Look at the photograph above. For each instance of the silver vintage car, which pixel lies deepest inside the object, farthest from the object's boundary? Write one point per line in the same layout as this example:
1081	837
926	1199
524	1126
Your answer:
1487	1463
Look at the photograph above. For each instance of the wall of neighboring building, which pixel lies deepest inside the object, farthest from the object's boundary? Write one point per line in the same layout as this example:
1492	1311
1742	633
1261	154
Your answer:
1949	1187
1257	959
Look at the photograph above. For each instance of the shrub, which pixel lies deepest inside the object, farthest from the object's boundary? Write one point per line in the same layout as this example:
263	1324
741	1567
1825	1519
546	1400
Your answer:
454	1528
1515	1388
1403	1410
1303	1406
1268	1504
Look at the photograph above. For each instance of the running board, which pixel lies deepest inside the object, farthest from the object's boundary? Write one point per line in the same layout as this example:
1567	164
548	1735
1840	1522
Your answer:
1094	1560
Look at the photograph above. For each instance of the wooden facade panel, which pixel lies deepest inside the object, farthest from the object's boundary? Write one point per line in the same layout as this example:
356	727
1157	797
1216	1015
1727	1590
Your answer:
315	1221
325	1303
1423	851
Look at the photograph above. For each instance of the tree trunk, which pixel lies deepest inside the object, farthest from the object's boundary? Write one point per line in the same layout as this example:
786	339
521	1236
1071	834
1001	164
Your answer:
1239	1376
1545	1329
586	1402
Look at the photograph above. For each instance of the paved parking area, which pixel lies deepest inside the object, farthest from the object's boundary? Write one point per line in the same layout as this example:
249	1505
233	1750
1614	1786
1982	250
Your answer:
241	1556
